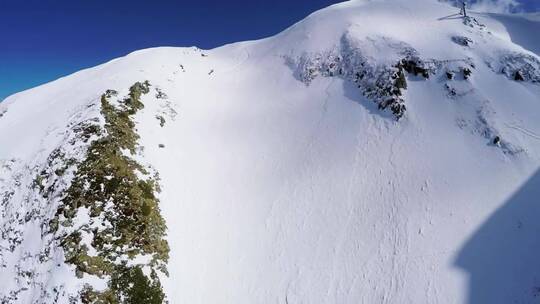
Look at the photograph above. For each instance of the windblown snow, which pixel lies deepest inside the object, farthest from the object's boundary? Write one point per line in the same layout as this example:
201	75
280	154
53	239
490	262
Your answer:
375	152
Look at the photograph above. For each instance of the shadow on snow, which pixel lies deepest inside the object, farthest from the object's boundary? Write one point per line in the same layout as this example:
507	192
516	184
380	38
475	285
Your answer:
502	258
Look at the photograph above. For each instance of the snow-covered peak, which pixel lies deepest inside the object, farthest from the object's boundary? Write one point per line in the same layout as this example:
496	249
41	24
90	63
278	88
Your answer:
359	156
425	24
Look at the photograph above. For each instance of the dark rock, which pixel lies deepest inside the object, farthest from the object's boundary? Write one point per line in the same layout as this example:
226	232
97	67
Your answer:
521	67
401	82
518	76
414	68
467	73
462	40
398	109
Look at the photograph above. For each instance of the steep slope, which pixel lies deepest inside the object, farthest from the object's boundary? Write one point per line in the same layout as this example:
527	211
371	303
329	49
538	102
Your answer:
349	159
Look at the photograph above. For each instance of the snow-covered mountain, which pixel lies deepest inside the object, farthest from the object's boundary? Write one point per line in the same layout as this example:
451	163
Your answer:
375	152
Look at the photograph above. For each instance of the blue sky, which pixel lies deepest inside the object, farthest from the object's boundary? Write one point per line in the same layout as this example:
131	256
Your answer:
41	40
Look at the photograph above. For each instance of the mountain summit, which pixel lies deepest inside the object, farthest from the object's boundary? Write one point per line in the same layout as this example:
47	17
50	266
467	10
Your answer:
375	152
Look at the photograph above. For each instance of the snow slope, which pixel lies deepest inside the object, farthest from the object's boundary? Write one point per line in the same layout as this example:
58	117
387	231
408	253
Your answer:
284	182
518	26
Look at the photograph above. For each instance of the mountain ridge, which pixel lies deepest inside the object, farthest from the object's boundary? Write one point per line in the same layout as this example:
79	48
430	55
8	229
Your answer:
283	172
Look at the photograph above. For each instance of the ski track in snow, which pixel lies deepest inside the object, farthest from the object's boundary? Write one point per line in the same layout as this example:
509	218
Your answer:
524	131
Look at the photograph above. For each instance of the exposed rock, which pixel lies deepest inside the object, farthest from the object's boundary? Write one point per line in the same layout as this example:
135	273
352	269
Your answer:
473	22
415	66
518	76
519	67
466	73
462	40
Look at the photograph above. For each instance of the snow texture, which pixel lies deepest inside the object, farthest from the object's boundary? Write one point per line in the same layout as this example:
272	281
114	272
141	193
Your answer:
285	180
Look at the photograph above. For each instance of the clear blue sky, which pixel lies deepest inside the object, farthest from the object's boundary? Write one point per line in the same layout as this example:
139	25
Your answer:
41	40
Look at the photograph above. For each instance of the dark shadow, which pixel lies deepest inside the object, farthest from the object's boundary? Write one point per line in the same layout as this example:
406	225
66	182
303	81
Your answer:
451	17
503	257
522	31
